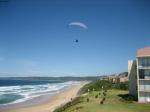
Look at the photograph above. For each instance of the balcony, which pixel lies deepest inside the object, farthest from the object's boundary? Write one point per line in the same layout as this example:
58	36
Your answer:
144	88
143	67
144	85
144	73
144	63
144	97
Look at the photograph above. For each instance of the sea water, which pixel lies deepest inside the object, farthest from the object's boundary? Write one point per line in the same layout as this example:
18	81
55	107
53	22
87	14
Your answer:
15	91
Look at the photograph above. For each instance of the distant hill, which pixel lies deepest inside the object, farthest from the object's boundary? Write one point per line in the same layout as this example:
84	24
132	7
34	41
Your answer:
65	78
123	74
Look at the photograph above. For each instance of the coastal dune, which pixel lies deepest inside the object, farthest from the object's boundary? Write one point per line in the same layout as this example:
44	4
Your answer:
54	102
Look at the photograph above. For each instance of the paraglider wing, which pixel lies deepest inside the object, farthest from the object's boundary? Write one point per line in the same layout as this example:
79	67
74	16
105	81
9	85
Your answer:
79	24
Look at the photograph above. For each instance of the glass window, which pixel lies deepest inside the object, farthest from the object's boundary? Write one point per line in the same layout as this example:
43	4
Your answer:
144	62
147	73
140	62
148	61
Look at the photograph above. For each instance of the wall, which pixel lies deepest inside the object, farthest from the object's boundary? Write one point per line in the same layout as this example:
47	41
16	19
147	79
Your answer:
132	74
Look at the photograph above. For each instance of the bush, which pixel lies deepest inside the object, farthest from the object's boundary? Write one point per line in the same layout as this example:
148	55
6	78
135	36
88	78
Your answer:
104	94
126	98
104	99
96	96
99	93
97	85
67	105
121	85
87	99
78	108
102	102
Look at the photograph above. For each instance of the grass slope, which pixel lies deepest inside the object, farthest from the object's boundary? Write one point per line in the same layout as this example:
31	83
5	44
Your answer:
115	101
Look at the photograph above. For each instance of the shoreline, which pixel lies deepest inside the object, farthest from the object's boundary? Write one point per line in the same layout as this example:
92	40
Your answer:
52	102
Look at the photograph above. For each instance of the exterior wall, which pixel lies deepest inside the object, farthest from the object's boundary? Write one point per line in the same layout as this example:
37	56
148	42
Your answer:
117	79
123	79
132	75
138	78
143	73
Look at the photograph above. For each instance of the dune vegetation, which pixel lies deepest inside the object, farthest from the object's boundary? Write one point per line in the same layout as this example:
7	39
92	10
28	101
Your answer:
103	96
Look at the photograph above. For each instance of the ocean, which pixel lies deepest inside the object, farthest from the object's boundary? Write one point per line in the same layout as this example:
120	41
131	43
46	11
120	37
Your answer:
15	91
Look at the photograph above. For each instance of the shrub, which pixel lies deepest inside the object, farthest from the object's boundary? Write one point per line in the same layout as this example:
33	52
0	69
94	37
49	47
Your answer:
102	102
104	94
87	99
67	105
96	96
78	108
104	99
121	85
105	90
97	85
99	93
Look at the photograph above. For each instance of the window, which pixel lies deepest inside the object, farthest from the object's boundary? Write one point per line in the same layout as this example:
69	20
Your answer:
145	62
140	61
148	61
141	74
147	73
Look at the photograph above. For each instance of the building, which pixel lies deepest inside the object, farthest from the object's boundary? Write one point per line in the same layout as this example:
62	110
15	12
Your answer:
116	78
139	76
112	79
123	79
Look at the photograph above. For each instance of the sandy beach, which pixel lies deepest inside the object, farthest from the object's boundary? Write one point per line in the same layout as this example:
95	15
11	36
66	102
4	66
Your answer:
54	102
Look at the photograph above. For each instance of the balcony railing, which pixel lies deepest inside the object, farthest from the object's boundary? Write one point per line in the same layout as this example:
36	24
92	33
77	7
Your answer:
144	88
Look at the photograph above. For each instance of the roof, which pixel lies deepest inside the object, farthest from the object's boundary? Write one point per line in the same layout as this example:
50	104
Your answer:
143	52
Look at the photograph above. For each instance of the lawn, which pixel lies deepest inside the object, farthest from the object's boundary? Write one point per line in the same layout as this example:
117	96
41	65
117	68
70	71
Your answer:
115	101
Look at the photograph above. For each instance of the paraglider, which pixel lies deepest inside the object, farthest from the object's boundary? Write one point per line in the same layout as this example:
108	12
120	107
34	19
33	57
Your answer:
78	25
77	41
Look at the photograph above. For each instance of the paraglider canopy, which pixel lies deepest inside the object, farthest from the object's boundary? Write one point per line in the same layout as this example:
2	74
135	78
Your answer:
78	24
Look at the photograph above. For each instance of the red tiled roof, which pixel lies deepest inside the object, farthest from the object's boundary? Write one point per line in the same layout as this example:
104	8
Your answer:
143	52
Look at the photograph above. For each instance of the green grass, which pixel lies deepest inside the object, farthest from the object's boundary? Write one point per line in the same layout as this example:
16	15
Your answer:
98	85
116	101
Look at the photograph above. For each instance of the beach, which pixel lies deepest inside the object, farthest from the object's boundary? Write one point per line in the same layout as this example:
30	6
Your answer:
55	101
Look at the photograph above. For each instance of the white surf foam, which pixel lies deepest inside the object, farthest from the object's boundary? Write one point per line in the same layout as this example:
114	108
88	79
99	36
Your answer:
32	91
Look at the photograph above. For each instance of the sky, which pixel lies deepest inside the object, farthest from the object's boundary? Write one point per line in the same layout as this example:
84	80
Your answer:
35	39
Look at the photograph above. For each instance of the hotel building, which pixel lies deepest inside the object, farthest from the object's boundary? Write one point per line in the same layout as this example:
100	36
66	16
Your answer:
139	76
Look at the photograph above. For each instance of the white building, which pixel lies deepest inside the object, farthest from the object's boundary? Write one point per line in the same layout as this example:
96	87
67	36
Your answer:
139	75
